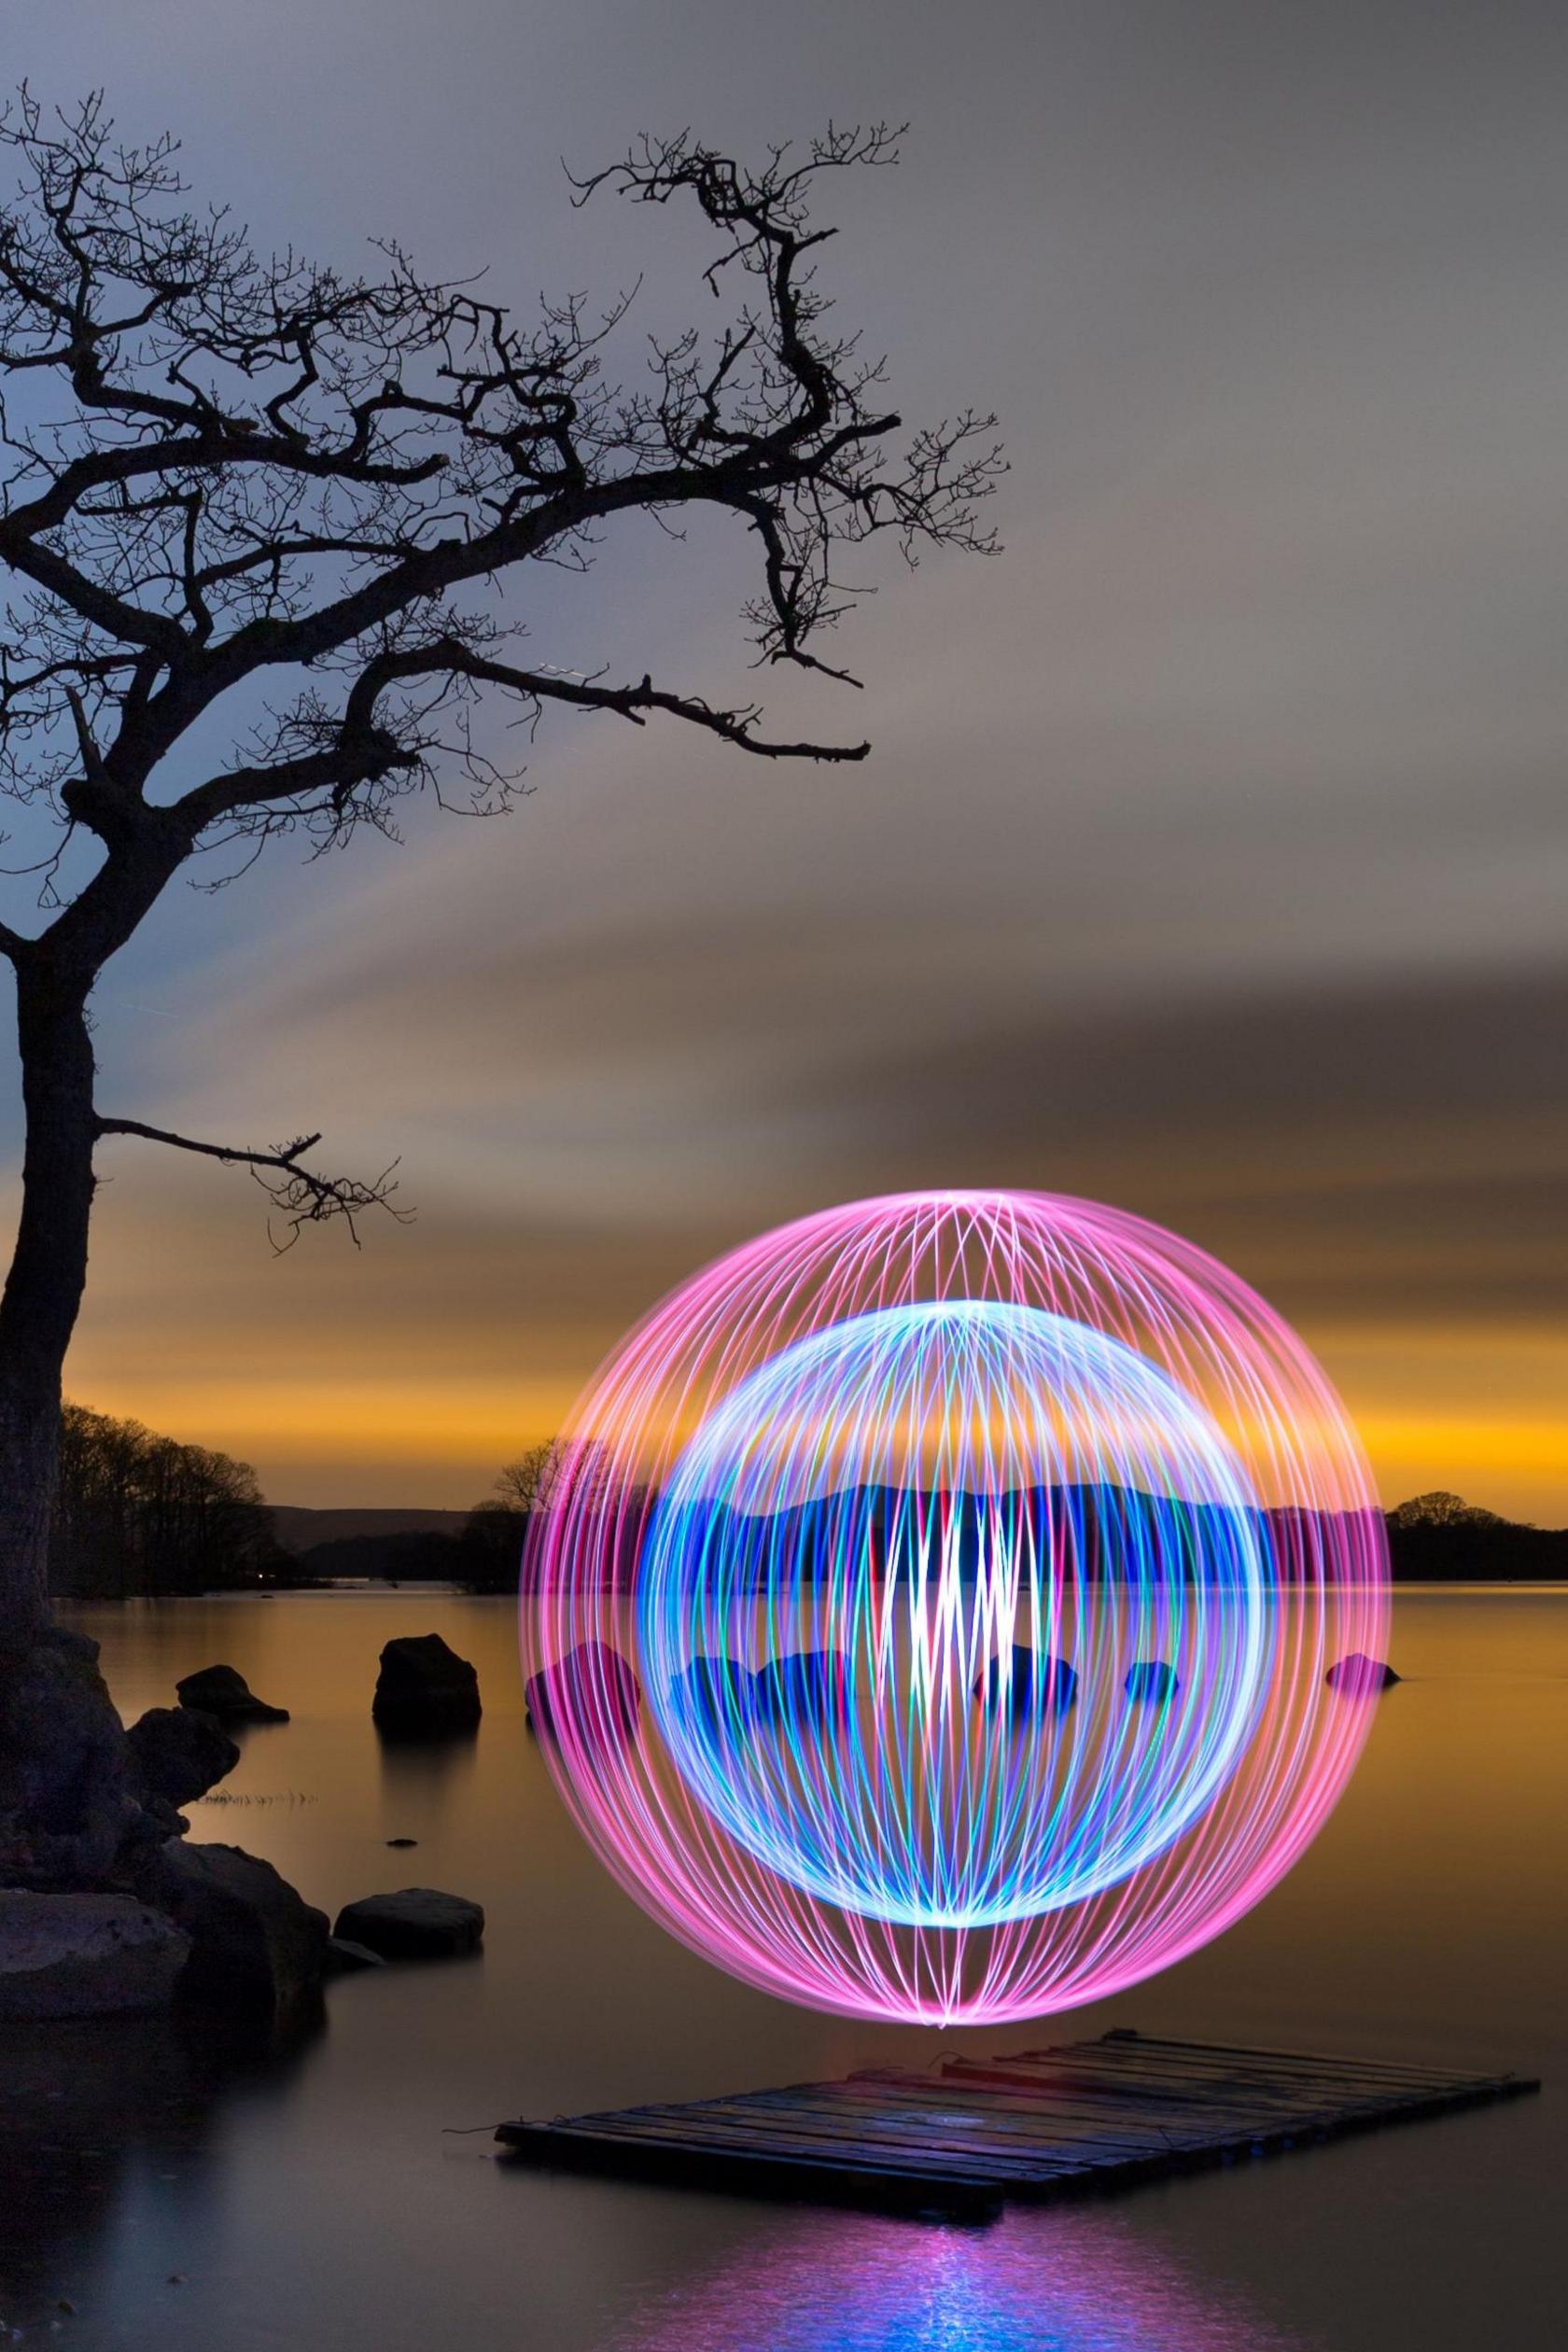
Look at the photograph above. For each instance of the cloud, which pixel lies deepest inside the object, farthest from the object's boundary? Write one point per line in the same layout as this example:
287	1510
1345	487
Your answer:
567	1170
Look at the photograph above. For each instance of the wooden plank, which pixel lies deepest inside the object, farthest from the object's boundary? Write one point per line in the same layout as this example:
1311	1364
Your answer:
777	2172
1125	2037
800	2129
911	2153
1020	2118
829	2109
1066	2092
1004	2119
1196	2063
1227	2096
1061	2073
1083	2112
1036	2123
1181	2069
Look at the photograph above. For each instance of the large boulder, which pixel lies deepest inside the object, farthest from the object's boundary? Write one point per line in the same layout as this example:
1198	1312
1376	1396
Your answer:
255	1943
86	1955
70	1815
224	1692
425	1687
418	1922
179	1753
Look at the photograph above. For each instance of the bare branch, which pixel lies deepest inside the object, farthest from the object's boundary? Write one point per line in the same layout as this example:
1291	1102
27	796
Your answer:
221	467
303	1195
354	755
263	464
735	727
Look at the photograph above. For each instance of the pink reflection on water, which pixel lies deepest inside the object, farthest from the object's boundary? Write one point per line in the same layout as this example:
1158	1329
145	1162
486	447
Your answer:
1077	2282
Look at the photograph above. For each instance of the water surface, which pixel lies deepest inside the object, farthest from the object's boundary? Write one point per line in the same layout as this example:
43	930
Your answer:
319	2201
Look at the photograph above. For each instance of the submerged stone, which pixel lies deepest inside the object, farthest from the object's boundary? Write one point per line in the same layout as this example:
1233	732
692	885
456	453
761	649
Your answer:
592	1688
1035	1681
810	1684
1360	1675
224	1692
713	1688
345	1958
417	1922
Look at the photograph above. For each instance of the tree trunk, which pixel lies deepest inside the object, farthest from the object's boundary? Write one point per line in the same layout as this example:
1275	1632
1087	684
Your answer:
43	1290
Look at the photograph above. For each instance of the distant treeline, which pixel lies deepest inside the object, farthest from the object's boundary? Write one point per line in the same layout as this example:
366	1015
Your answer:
1434	1538
139	1514
484	1556
1441	1539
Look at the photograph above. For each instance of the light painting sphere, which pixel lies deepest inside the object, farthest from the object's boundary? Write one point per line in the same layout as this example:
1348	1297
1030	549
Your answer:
929	1614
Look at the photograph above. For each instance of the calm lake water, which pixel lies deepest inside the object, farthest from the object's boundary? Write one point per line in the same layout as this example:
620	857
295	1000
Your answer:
320	2201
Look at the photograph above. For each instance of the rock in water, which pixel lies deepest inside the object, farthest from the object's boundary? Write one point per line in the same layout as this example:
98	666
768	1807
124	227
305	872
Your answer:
255	1943
593	1688
1151	1678
86	1955
1034	1682
69	1815
419	1923
179	1753
224	1692
809	1686
345	1958
1359	1675
714	1687
425	1687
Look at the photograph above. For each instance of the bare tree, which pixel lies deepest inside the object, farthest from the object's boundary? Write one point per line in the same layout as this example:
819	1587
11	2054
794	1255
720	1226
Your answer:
524	1485
236	483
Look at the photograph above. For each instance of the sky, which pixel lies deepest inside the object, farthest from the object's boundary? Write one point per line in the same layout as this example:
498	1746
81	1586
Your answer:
1212	855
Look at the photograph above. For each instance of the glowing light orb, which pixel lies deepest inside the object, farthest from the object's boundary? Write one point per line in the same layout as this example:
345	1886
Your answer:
930	1612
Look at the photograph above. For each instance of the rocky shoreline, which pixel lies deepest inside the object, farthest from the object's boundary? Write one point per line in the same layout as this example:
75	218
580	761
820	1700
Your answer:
106	1910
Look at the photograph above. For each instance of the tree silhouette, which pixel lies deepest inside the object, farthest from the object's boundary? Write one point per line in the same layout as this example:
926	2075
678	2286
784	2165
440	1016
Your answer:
238	483
524	1485
1440	1509
136	1513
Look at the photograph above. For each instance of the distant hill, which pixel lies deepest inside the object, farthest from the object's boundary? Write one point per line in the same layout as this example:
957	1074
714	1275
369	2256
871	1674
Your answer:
1472	1546
299	1528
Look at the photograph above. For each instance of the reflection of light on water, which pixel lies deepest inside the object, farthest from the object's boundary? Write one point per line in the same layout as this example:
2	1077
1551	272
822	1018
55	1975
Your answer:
1081	2282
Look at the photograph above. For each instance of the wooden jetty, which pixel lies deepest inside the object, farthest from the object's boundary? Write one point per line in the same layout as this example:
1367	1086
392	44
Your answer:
968	2135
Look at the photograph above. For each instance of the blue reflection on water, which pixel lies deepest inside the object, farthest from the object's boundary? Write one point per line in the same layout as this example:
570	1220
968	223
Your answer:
1083	2282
